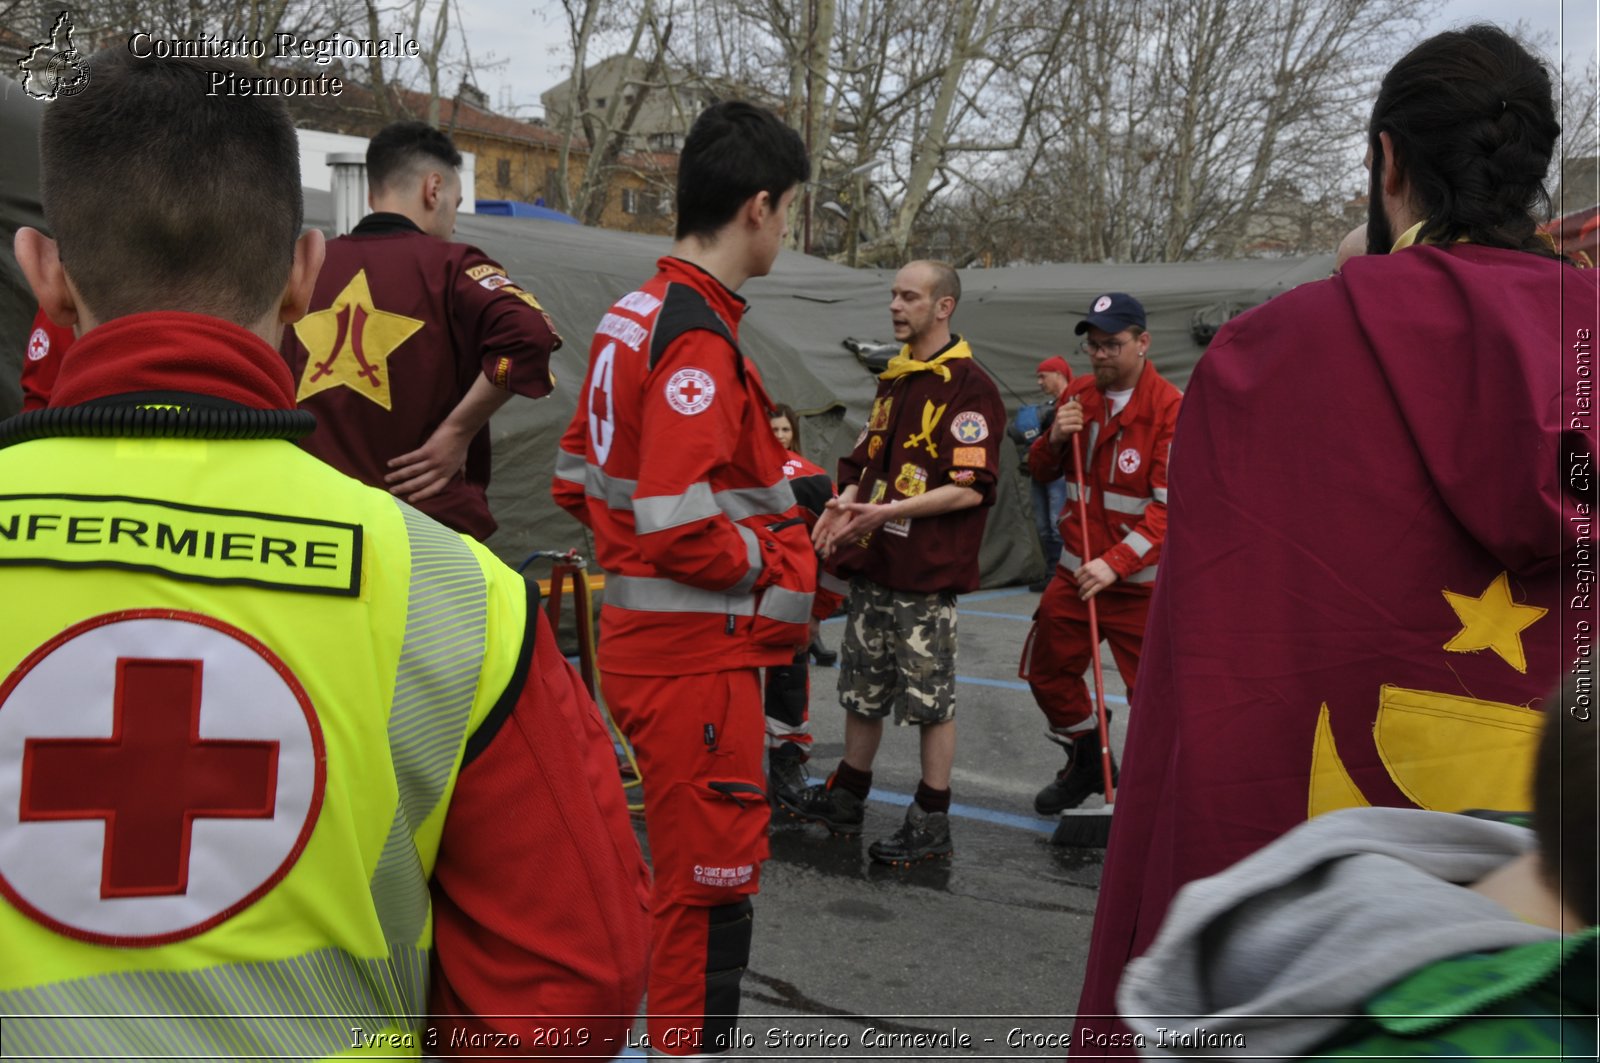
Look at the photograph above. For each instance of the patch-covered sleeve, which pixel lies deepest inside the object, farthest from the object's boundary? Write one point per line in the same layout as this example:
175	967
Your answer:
977	418
503	326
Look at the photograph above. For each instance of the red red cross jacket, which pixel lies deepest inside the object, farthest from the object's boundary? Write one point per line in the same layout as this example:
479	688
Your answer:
1125	476
671	462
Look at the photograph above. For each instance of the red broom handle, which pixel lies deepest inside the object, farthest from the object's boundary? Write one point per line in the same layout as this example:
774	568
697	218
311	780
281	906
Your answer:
1094	626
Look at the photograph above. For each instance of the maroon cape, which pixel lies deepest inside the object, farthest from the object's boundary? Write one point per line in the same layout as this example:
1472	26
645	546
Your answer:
1377	483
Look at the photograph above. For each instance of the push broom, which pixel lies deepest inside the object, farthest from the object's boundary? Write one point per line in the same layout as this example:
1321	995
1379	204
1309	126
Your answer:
1089	828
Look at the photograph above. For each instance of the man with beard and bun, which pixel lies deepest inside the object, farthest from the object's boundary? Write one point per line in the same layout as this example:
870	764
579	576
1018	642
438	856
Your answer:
1125	413
710	573
905	530
1383	480
413	341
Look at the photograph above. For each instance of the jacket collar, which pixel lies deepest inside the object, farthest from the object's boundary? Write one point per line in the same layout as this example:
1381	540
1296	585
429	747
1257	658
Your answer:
171	352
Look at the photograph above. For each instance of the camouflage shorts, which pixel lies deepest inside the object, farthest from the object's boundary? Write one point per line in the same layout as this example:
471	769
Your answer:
899	652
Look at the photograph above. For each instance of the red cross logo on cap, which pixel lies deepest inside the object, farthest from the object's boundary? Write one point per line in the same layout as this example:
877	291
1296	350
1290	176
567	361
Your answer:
159	771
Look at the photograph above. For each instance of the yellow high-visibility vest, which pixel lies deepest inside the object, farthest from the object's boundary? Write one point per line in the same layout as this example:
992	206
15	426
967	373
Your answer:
235	691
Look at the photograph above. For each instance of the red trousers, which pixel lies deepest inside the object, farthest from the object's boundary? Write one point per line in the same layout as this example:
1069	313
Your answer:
698	739
1056	654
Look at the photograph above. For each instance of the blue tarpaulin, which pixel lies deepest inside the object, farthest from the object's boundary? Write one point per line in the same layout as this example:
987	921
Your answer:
511	208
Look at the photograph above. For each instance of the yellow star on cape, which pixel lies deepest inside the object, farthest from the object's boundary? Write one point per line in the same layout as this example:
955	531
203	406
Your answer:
1492	621
350	343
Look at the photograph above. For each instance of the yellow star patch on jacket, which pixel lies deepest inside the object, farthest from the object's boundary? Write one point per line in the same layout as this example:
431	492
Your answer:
1492	621
350	343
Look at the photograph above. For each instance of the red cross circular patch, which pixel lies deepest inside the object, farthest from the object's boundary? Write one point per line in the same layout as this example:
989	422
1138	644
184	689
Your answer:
689	391
1128	461
38	345
160	771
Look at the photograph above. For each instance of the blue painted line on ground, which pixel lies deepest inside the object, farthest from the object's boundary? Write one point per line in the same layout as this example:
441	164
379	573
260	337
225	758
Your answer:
1003	684
989	596
1015	684
972	680
977	596
984	815
997	616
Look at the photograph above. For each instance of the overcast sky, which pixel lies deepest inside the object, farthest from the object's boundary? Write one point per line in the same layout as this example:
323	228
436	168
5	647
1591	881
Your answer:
529	39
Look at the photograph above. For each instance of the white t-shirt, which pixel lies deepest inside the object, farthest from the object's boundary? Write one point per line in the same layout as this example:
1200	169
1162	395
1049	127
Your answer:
1118	399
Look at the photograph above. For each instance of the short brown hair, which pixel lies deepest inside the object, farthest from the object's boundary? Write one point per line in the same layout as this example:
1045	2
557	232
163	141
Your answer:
162	197
946	281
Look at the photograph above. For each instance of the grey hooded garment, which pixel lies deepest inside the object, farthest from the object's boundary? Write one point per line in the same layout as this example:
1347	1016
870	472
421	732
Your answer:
1274	955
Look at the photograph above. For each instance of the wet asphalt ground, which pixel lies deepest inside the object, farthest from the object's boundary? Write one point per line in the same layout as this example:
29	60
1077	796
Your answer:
979	956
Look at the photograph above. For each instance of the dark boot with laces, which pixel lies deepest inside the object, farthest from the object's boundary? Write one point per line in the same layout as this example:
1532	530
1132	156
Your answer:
837	809
923	836
1082	778
786	773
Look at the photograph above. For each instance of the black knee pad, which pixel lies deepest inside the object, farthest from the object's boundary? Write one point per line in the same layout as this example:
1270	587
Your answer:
729	929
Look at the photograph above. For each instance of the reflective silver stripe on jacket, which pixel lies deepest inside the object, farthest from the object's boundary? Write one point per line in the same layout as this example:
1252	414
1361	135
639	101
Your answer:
1159	494
436	679
1072	491
829	582
740	503
752	549
1071	562
570	467
661	512
1123	503
1137	543
647	594
614	491
784	605
297	1008
697	502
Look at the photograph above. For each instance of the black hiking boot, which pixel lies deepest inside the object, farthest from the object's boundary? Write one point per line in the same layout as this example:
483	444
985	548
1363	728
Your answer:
923	836
839	810
786	773
1082	778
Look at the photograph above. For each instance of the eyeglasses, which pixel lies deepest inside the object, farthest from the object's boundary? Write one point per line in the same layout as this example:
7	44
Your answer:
1109	347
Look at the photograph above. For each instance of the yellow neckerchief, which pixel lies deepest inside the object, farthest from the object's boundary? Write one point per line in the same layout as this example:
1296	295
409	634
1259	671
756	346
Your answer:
903	364
1407	238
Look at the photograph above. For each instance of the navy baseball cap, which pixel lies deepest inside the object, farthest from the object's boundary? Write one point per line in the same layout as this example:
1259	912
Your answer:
1113	312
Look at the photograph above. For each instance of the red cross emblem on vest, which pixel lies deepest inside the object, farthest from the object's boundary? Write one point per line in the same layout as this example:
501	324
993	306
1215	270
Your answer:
167	770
